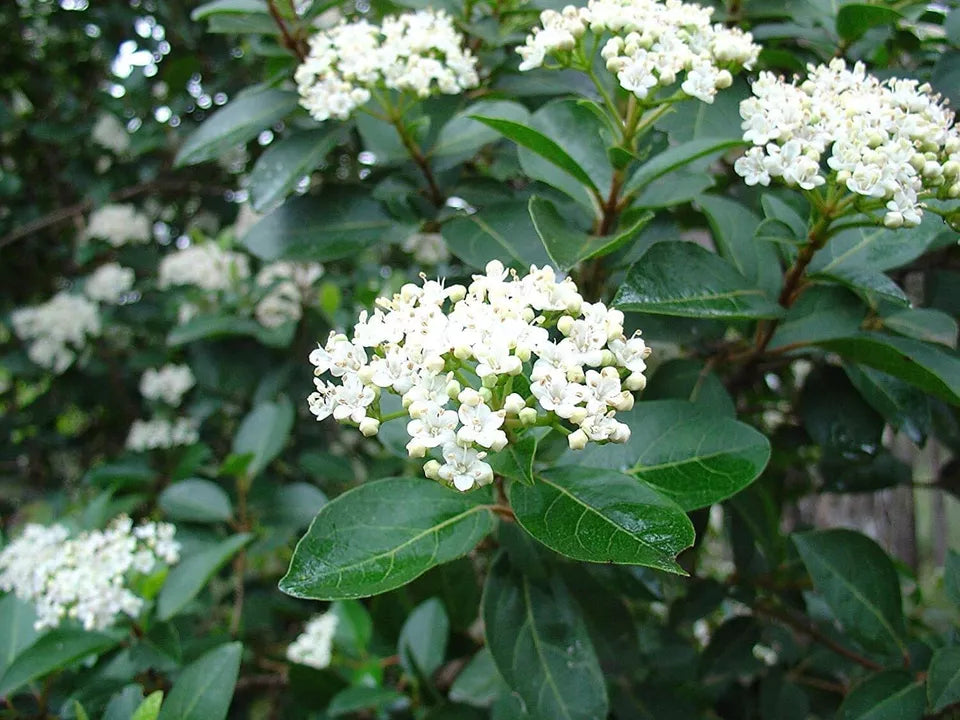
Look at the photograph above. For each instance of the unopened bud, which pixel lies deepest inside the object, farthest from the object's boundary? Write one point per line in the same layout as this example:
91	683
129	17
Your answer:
431	468
528	416
513	404
369	426
635	382
486	394
565	324
456	293
365	374
577	440
453	389
469	396
489	381
724	80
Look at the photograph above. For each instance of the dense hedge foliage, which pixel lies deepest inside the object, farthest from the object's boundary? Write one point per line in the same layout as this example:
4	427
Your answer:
697	272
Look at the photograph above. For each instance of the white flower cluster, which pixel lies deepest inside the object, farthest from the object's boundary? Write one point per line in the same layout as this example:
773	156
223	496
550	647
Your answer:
58	329
169	383
109	132
287	285
109	283
891	140
85	577
417	52
538	354
653	43
160	433
427	248
314	646
119	225
206	265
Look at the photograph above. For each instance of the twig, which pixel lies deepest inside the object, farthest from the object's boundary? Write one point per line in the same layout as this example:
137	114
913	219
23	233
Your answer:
289	41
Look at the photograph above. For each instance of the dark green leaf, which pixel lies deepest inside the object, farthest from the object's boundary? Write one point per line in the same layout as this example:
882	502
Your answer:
734	228
189	576
203	690
602	516
354	626
462	137
16	628
679	187
690	379
235	123
924	324
382	535
875	248
905	407
423	639
929	368
951	576
215	326
835	415
55	650
565	244
540	645
890	695
515	461
149	709
479	683
356	698
676	157
693	120
280	168
263	433
943	678
708	287
821	313
854	19
336	224
228	6
196	500
689	454
502	231
123	703
859	583
540	144
295	505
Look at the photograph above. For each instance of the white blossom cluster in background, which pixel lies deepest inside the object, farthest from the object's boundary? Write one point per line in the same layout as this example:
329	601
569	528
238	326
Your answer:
168	383
472	364
58	329
109	283
653	43
314	646
108	132
427	248
85	577
287	285
206	266
160	433
419	52
119	225
891	140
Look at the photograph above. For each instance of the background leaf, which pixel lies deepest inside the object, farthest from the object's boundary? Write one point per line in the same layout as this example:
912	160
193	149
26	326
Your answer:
204	688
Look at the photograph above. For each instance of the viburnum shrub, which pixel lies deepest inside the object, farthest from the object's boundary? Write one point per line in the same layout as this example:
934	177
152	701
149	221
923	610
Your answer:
489	360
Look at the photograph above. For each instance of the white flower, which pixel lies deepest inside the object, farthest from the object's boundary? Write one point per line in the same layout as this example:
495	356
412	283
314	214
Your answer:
288	285
110	133
314	646
168	383
420	53
428	248
57	329
891	141
109	283
481	425
433	426
652	43
464	467
351	399
119	225
160	433
85	577
205	266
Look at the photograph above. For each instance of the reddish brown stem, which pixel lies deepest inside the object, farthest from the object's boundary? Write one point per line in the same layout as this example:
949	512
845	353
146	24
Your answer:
289	42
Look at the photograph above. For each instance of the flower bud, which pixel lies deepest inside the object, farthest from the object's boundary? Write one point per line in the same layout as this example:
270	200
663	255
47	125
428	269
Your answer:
623	402
528	416
523	353
565	324
635	382
365	374
434	364
513	404
486	395
416	449
430	468
578	415
456	293
453	389
469	396
724	80
499	444
369	426
893	220
417	409
575	374
577	440
462	352
489	381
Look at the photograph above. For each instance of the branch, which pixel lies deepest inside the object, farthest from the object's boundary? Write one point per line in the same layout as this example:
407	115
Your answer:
289	42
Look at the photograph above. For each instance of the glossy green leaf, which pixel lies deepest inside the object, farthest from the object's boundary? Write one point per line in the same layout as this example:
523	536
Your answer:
929	368
859	583
354	626
423	639
678	188
821	313
875	248
479	683
692	380
149	709
227	6
693	120
16	628
924	324
279	169
540	144
708	287
854	19
188	577
951	577
124	703
353	699
336	224
204	327
196	500
905	407
295	505
943	678
602	516
264	433
540	645
462	137
835	415
515	461
684	451
55	650
203	690
676	157
235	123
502	231
565	244
382	535
890	695
734	228
871	285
